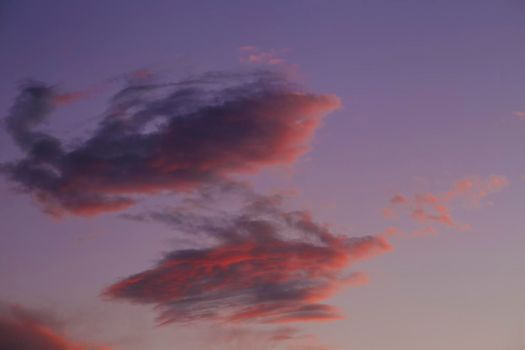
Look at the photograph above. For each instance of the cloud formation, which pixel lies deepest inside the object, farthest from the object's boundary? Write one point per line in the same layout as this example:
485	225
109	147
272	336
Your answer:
430	209
254	55
264	338
269	266
163	137
241	338
519	114
21	329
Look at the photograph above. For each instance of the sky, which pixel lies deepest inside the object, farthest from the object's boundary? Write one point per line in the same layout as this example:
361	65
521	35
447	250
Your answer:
288	175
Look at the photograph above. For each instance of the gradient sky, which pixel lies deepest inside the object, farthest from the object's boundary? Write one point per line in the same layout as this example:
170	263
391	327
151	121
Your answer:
432	94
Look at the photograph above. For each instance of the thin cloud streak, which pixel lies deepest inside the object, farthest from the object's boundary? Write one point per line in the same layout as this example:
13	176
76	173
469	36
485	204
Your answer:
254	55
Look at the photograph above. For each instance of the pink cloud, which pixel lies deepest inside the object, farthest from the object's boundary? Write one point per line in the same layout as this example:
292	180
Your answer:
207	128
252	54
519	114
431	209
270	266
21	329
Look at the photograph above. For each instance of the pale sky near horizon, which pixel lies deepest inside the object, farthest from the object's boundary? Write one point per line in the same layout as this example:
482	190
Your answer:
432	94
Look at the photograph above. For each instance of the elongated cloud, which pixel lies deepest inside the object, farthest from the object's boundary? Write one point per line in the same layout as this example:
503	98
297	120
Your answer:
264	338
21	329
252	54
66	98
269	266
163	137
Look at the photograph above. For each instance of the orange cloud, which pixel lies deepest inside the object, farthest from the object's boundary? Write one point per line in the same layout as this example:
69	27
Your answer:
435	209
60	98
70	97
474	189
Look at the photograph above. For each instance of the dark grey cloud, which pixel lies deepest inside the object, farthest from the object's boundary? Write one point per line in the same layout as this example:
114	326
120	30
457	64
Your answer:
23	329
162	137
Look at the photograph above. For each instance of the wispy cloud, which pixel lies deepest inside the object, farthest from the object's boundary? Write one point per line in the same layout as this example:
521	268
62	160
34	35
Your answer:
431	210
254	55
269	266
62	98
263	338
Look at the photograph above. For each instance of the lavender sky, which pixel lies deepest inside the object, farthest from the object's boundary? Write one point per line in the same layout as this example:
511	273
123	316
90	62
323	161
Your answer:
379	147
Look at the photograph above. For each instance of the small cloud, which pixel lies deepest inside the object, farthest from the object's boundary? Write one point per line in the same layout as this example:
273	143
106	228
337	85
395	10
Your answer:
398	199
22	329
253	55
519	114
69	97
241	338
430	209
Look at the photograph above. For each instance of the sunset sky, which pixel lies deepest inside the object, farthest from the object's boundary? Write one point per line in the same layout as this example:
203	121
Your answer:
263	175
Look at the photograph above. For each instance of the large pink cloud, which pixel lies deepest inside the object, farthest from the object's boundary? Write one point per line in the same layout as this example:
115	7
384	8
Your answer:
269	266
163	137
